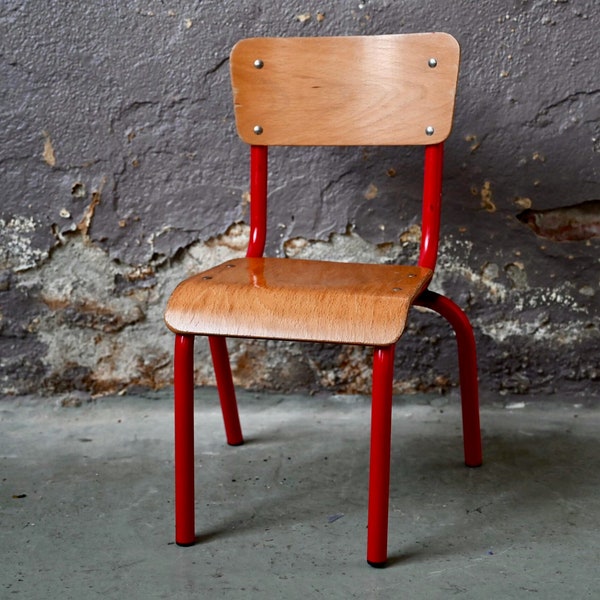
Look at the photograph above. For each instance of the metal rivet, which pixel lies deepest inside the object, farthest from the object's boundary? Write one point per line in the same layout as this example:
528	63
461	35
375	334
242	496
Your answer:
229	266
257	129
429	130
396	289
207	277
432	62
258	64
411	275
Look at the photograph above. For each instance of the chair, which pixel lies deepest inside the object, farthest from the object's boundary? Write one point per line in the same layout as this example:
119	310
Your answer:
374	90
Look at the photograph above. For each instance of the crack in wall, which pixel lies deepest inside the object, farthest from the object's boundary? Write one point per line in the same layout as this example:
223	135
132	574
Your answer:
217	67
538	121
569	98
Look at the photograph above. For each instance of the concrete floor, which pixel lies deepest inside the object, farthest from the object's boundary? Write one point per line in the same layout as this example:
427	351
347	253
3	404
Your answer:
86	501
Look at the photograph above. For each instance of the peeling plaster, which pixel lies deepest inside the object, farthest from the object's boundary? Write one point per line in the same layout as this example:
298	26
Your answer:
566	223
104	319
520	295
539	330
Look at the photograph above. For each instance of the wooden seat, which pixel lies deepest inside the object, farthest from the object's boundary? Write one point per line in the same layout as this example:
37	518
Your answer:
372	90
302	300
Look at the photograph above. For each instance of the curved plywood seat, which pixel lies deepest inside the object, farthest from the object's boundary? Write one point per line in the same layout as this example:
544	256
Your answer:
293	299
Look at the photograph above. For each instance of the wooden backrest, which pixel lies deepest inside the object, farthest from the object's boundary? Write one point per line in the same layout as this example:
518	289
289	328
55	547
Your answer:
345	91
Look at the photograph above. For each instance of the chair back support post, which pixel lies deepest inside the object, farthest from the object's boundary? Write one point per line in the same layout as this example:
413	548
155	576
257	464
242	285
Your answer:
258	200
431	211
432	205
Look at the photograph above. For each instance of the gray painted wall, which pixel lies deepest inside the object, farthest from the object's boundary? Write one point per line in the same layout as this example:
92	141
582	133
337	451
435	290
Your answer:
121	173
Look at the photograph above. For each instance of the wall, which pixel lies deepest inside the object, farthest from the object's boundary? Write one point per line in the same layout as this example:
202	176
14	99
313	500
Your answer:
121	173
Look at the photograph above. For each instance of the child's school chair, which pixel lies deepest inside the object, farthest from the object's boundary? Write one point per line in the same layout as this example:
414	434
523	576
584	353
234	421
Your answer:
328	91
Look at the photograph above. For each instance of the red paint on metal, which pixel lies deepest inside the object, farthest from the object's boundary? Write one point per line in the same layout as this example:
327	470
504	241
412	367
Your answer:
231	419
185	534
467	364
379	470
258	200
432	205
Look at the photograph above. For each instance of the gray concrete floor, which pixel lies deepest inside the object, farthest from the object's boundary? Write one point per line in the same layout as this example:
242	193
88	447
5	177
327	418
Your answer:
86	501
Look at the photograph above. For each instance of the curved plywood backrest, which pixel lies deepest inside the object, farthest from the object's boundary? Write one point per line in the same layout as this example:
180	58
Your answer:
345	91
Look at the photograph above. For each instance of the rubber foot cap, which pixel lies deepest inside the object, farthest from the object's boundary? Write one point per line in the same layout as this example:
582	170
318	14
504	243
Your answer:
378	565
186	545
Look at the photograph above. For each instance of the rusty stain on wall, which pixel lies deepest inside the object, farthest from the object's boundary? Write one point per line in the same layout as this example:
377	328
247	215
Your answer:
84	225
474	142
487	197
371	192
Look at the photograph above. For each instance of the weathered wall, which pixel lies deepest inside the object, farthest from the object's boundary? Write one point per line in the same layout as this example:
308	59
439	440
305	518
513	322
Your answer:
121	173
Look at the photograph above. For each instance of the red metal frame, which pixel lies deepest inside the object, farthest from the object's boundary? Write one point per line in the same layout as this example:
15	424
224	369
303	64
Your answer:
383	370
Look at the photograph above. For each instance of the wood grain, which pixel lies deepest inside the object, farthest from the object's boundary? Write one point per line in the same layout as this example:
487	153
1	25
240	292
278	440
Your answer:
356	90
295	299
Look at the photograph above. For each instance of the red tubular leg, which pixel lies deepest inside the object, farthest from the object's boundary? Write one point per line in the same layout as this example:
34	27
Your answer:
467	363
185	534
231	419
379	470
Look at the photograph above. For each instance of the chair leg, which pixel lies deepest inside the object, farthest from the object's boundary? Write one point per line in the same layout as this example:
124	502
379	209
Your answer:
185	534
467	363
379	469
231	419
